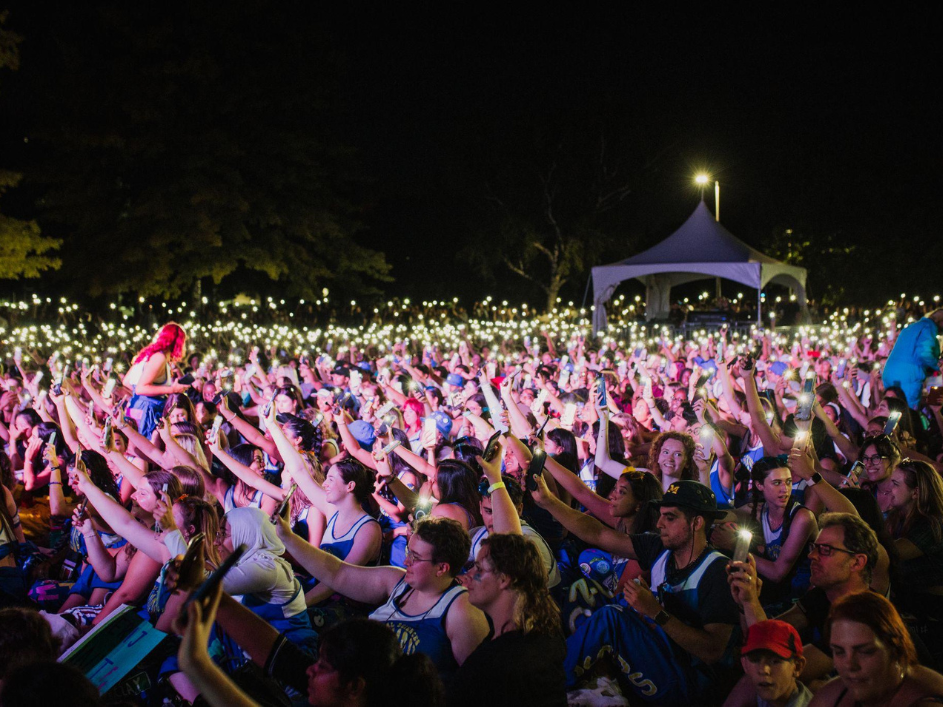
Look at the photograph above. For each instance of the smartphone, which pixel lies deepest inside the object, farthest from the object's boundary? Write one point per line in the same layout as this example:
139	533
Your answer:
428	426
108	435
491	448
842	364
706	436
109	386
52	439
536	469
209	585
742	548
569	415
390	447
934	396
540	432
601	391
214	430
891	423
855	472
39	376
806	399
284	504
193	557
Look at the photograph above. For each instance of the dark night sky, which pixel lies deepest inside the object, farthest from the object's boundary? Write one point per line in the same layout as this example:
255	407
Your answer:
826	121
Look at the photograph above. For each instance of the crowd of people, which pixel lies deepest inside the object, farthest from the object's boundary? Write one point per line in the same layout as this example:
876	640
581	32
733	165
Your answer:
550	520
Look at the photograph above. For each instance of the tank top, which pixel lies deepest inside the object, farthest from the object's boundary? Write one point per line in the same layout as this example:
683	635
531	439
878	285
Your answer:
341	546
229	500
468	516
425	632
724	500
134	374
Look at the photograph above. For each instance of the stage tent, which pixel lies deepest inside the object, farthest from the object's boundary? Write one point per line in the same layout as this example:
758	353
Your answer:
700	249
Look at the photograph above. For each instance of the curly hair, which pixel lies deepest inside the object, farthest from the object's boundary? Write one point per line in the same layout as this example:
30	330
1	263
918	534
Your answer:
516	558
689	472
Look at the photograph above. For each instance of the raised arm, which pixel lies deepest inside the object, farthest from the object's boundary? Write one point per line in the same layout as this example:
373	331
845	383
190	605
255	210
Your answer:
604	462
504	514
572	484
297	468
121	521
371	585
585	527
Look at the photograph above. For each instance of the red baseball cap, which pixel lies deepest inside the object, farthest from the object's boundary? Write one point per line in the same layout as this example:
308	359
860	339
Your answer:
776	636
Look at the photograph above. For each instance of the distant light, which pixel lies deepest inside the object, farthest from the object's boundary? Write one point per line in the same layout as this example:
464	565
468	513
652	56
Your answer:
702	179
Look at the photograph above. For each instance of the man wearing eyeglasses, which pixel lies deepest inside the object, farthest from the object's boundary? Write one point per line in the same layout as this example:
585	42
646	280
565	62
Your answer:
842	559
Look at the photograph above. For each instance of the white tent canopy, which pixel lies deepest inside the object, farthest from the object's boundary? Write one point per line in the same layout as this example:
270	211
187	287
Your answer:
700	249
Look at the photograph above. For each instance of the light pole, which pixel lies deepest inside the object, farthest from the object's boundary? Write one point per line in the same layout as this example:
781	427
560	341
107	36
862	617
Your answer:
702	180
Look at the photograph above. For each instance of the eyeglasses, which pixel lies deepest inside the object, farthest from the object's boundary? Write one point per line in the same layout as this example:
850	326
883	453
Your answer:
411	557
827	550
875	459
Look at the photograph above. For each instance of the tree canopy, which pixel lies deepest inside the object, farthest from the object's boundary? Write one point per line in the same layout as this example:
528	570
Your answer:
194	148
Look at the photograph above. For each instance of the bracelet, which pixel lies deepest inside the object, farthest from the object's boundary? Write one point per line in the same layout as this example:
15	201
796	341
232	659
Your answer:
55	483
495	487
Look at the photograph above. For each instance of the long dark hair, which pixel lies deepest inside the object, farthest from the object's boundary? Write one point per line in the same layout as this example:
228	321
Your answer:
351	470
567	457
361	649
647	490
98	472
458	483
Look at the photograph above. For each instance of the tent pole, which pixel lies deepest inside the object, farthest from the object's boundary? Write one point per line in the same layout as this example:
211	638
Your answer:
759	307
586	294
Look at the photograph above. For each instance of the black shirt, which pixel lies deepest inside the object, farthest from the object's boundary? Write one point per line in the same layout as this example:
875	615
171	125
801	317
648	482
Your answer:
513	669
715	604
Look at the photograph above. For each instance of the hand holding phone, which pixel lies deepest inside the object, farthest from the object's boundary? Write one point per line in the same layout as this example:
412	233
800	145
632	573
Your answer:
214	580
283	506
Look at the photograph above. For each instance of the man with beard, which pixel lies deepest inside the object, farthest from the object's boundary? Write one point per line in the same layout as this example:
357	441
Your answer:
842	559
672	641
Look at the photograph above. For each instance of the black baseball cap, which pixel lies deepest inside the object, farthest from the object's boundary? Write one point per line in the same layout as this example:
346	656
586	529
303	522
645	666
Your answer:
692	496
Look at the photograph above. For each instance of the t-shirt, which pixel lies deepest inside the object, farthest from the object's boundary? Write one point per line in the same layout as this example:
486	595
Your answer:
800	698
925	571
815	605
513	669
715	604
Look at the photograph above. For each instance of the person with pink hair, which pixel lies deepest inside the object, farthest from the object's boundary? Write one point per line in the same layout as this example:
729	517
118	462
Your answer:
149	377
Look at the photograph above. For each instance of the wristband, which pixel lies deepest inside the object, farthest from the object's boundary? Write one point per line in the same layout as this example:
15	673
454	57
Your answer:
55	483
495	487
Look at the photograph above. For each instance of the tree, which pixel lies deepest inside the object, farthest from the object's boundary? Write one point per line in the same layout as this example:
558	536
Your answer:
555	203
22	247
205	152
824	256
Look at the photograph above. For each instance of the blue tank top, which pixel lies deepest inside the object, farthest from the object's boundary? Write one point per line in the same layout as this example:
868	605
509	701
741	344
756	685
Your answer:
425	632
341	546
724	500
798	581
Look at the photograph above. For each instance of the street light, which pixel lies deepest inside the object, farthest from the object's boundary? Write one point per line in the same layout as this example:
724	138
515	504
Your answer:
702	180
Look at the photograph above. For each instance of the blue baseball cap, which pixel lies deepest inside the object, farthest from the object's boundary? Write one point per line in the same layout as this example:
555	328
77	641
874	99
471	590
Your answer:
363	432
455	379
777	367
443	423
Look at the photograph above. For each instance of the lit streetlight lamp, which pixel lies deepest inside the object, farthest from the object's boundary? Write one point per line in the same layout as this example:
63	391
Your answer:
702	180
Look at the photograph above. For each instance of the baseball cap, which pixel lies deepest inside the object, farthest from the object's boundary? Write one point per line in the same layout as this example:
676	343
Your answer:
363	432
693	496
455	379
777	367
772	635
443	422
326	393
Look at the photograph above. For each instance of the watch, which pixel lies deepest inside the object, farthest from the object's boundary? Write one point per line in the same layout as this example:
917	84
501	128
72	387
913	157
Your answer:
661	618
814	479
